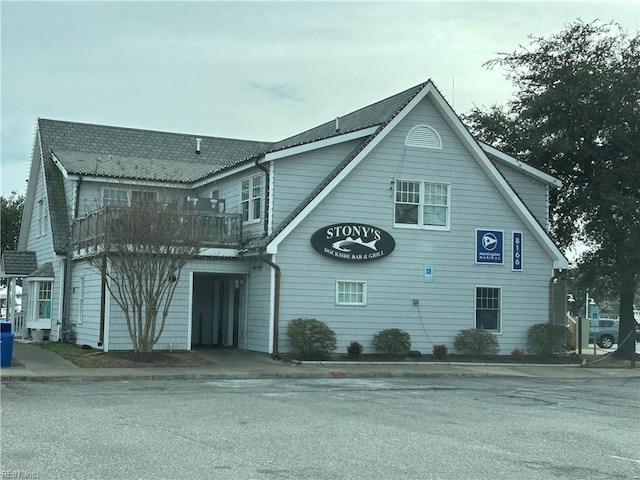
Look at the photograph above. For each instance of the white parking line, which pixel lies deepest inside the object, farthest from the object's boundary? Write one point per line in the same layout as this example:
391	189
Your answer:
624	458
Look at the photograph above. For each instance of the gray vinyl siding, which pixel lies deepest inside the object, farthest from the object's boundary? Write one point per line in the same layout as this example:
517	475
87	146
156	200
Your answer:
86	319
257	329
175	334
43	246
295	177
534	194
448	304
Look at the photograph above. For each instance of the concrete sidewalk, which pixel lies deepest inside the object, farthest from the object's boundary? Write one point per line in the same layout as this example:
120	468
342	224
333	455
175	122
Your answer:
41	365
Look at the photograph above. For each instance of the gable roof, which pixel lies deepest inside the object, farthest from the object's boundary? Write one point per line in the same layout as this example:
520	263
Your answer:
117	152
17	264
428	89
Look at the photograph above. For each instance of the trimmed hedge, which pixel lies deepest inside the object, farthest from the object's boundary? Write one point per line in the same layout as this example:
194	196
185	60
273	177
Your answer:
547	339
392	341
475	341
311	338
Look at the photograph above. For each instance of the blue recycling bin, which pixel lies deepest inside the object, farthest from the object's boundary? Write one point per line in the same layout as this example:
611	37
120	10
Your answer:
6	344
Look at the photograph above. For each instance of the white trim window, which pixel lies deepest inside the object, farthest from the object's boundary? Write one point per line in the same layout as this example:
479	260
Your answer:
115	196
251	199
488	308
350	292
43	301
142	197
422	204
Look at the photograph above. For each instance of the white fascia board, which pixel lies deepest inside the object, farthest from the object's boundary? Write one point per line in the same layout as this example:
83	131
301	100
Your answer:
559	260
517	164
315	145
272	248
214	177
58	164
130	182
218	252
29	200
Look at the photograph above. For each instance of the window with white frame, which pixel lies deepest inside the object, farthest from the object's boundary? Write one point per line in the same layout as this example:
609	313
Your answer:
251	199
114	196
139	197
44	300
422	204
488	306
351	292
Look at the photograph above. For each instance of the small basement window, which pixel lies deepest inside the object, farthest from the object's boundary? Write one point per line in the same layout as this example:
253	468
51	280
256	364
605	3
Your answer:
423	136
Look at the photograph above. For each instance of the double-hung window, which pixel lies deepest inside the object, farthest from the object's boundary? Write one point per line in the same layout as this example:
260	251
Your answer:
114	196
142	197
44	300
422	204
251	199
488	308
351	293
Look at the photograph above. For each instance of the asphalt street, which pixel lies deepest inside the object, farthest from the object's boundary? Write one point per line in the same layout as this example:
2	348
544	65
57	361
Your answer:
419	428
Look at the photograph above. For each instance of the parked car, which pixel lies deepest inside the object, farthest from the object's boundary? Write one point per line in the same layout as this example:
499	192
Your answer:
607	332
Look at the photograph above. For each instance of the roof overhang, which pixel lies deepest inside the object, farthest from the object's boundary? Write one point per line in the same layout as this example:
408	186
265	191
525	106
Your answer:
517	164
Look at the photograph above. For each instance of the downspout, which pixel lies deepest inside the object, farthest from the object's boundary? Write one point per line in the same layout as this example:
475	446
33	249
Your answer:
552	287
276	302
103	280
266	192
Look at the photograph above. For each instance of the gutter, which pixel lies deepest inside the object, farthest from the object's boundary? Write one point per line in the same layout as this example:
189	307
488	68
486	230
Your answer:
276	302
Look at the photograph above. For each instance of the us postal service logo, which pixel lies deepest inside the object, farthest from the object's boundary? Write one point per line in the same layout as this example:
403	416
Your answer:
354	242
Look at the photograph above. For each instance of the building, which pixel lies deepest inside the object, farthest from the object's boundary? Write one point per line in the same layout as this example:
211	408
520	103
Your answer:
389	216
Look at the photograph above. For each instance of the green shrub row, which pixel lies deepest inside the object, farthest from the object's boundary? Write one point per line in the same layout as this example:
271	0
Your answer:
311	338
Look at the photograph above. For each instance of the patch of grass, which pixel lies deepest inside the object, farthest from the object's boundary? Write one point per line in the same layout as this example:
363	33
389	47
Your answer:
94	358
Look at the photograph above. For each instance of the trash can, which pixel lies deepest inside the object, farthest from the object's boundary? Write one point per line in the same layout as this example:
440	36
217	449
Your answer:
6	344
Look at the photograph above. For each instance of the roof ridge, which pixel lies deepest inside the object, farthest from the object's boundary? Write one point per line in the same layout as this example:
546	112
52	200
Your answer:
147	130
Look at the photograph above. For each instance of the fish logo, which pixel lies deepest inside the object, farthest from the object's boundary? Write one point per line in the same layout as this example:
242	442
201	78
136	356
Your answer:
343	245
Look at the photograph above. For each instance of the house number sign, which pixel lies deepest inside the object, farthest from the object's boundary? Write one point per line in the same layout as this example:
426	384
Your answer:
354	242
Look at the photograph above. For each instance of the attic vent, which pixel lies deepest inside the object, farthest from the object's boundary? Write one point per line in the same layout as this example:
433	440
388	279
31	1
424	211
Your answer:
198	140
423	136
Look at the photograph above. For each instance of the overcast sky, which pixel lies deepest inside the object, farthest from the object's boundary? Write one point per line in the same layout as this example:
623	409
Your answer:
253	70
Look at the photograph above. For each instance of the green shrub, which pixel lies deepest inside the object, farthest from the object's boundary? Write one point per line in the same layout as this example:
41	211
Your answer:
354	349
475	341
440	351
311	338
392	341
547	339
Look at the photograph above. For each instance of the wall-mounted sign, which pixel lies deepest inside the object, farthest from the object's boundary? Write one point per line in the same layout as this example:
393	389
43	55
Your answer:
516	249
489	246
354	242
428	273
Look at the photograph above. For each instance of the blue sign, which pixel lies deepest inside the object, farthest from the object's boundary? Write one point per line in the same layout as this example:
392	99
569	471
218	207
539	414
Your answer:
489	246
428	273
517	252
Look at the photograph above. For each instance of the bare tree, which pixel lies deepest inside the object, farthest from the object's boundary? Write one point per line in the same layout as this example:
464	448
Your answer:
141	251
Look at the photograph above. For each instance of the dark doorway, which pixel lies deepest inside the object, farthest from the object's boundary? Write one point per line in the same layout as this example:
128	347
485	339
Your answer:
215	311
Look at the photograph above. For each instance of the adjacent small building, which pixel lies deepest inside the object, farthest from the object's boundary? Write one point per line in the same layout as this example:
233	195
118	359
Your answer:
389	216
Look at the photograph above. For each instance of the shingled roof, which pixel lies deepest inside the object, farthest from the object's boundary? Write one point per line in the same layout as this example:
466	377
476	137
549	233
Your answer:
118	152
105	151
18	263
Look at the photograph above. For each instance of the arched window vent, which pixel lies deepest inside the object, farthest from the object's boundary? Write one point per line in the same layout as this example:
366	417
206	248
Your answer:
423	136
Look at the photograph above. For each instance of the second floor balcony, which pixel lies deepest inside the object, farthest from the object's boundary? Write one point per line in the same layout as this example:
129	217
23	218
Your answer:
113	225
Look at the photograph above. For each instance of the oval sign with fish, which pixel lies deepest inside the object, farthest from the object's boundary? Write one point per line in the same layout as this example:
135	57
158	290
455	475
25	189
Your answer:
355	242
